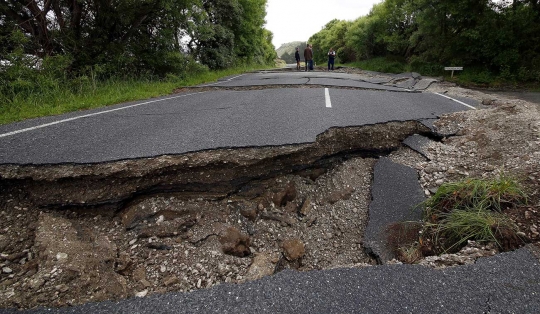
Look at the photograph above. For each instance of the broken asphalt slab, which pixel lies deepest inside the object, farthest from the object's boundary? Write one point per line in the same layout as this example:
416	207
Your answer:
418	143
405	82
505	283
396	194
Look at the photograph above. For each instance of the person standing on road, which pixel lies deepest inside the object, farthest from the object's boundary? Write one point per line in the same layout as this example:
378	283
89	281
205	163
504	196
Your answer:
331	58
308	57
297	57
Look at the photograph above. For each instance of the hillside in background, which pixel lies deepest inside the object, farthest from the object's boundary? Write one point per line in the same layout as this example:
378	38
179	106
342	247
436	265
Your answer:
288	47
286	51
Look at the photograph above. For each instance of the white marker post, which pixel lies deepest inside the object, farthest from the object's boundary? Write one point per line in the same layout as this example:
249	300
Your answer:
453	69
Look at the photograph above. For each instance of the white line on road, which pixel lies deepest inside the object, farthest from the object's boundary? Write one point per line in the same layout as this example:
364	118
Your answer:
327	97
232	78
460	102
89	115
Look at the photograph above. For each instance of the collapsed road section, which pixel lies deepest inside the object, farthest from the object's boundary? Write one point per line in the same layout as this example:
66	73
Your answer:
78	233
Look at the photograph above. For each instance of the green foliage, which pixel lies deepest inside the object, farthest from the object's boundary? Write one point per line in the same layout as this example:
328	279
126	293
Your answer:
492	195
479	224
381	64
140	38
499	40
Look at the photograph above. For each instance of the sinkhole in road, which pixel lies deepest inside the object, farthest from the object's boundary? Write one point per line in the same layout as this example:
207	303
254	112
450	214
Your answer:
79	233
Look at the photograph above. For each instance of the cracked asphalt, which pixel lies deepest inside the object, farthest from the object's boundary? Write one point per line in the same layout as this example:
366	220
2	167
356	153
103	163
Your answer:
198	121
505	283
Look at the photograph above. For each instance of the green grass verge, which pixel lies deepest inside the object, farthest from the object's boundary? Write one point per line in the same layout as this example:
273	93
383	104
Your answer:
89	94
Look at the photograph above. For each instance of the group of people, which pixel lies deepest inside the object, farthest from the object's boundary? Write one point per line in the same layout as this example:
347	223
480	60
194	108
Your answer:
308	58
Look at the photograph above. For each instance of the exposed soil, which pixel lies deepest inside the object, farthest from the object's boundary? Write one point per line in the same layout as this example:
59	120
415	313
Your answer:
180	223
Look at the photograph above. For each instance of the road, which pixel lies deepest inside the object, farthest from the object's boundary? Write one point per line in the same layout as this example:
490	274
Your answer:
197	121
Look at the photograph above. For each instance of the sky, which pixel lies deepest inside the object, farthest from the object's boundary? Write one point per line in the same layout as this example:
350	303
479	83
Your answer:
297	20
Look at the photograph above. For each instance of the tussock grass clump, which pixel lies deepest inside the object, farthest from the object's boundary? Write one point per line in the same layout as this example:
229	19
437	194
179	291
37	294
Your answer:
456	227
492	195
471	209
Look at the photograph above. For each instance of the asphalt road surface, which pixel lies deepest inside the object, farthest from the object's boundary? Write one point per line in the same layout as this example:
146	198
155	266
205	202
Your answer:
197	121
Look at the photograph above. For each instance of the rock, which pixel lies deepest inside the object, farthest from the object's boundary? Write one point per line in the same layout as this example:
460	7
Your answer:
61	288
488	101
37	283
338	195
123	263
15	256
133	215
234	243
145	283
7	270
286	195
4	242
306	207
291	207
261	266
139	274
61	256
249	213
293	249
171	280
141	294
283	219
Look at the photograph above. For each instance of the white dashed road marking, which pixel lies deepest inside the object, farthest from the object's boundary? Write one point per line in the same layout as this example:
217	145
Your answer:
327	97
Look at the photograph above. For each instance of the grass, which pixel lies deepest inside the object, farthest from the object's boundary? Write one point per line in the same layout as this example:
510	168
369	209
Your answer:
380	64
89	94
479	224
494	195
473	209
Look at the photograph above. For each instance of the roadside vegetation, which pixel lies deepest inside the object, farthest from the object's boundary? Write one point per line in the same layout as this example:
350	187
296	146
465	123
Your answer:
65	56
473	209
497	42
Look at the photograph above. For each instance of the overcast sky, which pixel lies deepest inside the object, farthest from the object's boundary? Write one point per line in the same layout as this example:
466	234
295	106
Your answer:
297	20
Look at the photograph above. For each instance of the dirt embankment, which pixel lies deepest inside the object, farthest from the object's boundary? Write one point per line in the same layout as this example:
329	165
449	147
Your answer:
73	234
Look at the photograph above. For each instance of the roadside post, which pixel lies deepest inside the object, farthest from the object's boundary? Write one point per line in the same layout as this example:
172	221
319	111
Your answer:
453	69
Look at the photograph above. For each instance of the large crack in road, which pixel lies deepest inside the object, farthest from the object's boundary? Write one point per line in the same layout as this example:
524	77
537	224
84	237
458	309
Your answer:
191	221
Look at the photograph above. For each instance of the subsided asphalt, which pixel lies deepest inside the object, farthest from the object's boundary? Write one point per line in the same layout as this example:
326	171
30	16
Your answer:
505	283
197	121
